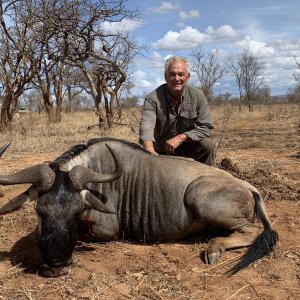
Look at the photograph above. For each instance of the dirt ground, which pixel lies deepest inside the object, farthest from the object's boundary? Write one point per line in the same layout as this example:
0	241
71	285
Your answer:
268	158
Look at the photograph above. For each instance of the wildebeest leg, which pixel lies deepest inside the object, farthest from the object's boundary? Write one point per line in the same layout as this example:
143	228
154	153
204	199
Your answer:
237	239
227	204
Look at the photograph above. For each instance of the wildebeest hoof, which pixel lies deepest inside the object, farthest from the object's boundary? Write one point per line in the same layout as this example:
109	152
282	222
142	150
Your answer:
211	258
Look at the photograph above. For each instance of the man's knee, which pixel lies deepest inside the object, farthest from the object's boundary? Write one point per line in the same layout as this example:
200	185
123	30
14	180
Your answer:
206	151
207	144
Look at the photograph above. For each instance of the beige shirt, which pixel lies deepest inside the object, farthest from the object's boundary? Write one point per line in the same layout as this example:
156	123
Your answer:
160	122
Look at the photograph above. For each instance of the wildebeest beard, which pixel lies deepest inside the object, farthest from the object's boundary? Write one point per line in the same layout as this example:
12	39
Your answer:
57	241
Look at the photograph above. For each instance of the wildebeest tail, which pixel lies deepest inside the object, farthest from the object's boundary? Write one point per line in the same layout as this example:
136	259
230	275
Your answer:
263	244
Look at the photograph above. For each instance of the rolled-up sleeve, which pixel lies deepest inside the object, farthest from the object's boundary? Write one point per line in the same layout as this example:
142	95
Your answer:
148	121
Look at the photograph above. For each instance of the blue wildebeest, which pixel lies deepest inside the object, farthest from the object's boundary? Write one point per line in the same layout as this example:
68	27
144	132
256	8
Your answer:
110	189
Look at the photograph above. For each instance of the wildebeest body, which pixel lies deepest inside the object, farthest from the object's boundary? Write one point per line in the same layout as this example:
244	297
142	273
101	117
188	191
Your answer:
160	198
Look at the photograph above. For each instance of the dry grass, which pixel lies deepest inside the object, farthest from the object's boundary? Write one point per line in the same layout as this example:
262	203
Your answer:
258	147
32	133
256	129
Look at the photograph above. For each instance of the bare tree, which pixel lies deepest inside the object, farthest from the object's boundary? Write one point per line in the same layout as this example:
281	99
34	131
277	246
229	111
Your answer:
248	72
264	95
106	72
120	52
237	72
16	58
297	75
28	40
208	68
44	38
51	20
74	83
58	76
76	36
33	100
44	83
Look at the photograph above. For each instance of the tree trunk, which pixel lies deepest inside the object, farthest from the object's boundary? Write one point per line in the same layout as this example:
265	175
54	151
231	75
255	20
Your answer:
6	113
59	93
102	120
240	103
59	99
112	108
49	106
69	107
58	114
4	124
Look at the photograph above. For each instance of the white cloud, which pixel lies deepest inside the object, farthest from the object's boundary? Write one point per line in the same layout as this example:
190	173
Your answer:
186	38
285	62
190	37
259	49
152	61
192	14
144	82
180	25
140	81
288	47
157	56
139	74
222	32
122	26
165	7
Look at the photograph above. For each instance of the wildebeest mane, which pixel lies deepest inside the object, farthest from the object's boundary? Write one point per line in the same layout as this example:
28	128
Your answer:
132	145
108	139
66	156
77	149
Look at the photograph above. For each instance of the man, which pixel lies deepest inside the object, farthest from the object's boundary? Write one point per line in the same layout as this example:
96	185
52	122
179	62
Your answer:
176	119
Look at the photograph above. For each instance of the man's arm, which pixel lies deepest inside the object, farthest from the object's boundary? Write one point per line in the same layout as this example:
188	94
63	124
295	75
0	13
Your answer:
147	125
203	122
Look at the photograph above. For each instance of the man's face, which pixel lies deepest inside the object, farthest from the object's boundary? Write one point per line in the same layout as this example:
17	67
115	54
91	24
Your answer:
177	77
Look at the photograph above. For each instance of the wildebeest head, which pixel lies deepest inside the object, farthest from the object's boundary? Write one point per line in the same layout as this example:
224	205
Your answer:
61	199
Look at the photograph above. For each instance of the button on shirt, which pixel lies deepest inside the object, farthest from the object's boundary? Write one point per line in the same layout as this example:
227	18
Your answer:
161	122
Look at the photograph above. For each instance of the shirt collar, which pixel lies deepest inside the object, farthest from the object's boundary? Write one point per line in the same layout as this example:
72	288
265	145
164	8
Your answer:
182	96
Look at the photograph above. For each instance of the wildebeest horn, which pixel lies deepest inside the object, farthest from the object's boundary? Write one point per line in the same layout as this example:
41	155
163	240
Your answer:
41	176
18	201
3	148
81	175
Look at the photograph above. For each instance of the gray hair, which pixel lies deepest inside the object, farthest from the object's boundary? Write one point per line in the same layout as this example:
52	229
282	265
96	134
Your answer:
174	59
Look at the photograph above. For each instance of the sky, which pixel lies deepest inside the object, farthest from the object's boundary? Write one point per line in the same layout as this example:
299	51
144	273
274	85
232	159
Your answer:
269	29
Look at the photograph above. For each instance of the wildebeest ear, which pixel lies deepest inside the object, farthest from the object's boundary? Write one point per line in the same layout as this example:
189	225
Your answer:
18	201
92	202
81	175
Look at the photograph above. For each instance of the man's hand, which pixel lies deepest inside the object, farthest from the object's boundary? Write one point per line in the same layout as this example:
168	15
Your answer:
148	145
175	142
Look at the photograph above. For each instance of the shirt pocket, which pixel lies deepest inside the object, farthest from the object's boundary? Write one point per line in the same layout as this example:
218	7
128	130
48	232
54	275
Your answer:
187	120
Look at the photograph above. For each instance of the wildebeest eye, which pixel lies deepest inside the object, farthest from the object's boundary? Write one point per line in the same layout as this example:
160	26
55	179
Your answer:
77	214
